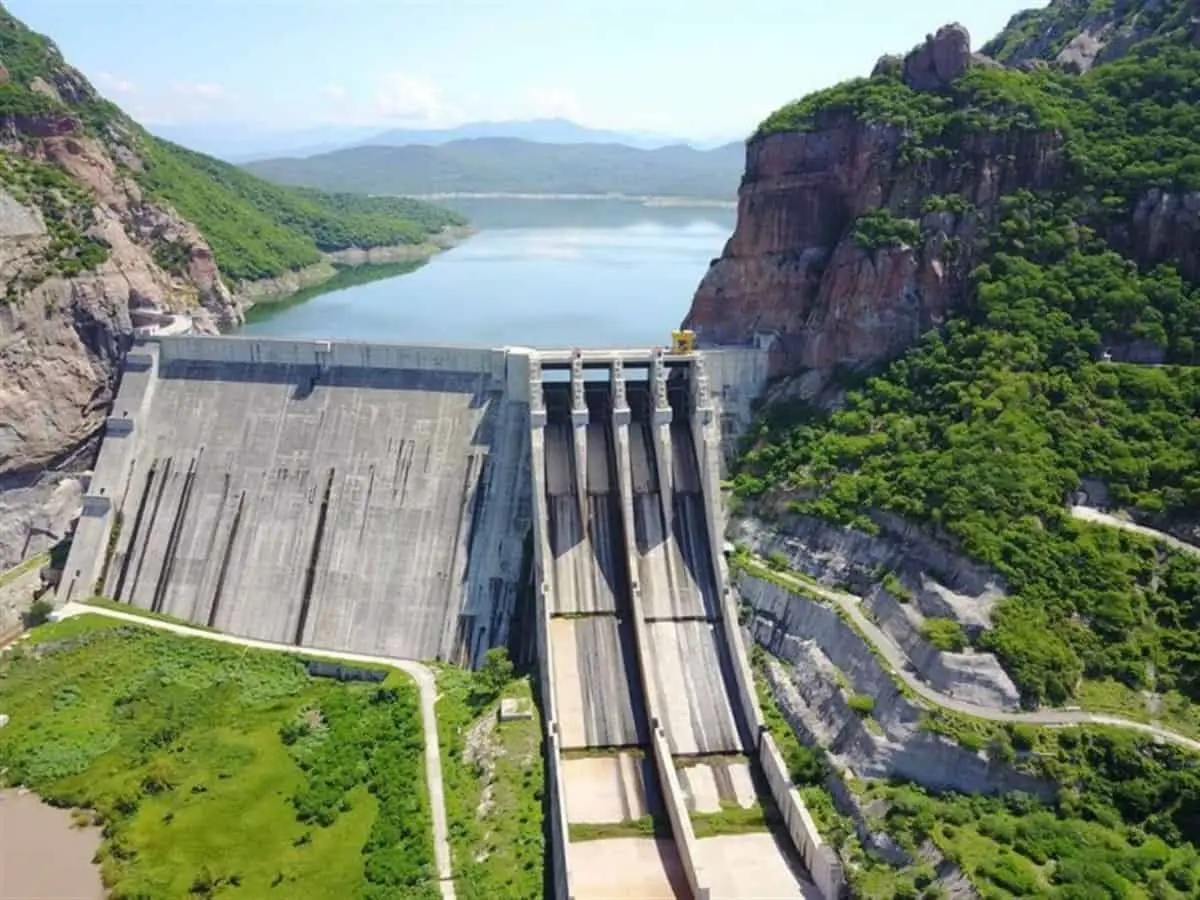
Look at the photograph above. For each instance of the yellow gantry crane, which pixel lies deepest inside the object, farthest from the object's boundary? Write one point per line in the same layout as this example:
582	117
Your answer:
683	341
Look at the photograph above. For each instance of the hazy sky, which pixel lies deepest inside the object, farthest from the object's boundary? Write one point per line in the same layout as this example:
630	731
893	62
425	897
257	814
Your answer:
696	68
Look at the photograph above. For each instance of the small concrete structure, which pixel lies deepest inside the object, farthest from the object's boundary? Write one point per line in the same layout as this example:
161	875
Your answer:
513	709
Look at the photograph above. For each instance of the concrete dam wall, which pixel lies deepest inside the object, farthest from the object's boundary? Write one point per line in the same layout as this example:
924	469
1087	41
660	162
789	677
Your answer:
423	503
350	496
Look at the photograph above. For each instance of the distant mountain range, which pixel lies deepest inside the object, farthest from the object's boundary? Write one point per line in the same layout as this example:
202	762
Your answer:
513	165
239	142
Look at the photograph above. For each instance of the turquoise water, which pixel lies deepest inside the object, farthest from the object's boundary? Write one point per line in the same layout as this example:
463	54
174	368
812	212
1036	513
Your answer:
538	273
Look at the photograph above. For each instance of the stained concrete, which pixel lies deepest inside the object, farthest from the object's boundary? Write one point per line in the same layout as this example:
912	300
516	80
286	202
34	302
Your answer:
641	868
329	517
691	671
752	867
690	682
610	789
327	496
598	705
710	787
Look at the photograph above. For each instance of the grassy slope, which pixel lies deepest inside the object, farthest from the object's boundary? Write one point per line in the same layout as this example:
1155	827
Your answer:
499	853
256	229
508	165
197	759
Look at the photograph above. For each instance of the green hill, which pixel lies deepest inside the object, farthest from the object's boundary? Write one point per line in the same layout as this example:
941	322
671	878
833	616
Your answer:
984	430
255	229
510	165
989	424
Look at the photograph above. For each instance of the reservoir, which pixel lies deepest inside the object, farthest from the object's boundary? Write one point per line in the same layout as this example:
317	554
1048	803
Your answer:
538	273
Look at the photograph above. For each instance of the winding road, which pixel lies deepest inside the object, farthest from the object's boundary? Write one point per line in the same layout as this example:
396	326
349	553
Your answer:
426	684
898	662
1090	514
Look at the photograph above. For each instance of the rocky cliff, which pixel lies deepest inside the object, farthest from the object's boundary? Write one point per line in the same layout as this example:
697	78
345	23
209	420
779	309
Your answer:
104	228
80	247
858	222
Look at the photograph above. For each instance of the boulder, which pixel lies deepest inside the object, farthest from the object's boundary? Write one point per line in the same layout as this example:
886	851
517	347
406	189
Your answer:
940	61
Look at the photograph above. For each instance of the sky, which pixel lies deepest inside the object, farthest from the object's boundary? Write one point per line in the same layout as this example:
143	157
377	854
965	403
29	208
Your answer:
698	69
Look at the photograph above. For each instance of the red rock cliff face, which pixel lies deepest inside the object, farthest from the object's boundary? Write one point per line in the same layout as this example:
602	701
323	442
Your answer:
793	268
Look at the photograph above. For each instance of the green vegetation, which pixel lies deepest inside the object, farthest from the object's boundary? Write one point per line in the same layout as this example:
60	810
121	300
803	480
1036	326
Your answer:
1043	33
256	229
1126	825
504	165
944	634
494	783
23	568
316	788
863	704
880	229
1128	810
130	609
67	210
987	426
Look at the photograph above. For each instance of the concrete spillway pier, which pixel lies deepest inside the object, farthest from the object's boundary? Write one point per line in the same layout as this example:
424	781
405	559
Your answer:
414	502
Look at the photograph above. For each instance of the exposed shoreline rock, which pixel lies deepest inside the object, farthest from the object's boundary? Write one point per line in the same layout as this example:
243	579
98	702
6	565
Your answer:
280	287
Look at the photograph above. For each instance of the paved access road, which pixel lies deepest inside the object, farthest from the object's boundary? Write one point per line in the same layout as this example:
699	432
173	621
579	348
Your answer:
426	684
1088	514
898	662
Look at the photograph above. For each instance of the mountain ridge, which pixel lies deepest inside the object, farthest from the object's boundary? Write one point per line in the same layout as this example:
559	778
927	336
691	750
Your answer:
514	165
239	143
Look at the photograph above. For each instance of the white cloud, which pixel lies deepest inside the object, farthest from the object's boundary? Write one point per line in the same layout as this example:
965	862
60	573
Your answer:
115	84
552	103
409	98
334	92
204	90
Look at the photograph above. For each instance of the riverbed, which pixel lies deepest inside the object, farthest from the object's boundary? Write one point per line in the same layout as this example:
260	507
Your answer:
42	854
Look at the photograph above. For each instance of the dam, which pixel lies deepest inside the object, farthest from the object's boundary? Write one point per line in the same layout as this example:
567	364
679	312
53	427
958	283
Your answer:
432	502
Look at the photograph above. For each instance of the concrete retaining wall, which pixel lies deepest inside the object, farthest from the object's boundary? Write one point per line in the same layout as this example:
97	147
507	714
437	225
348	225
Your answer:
820	859
556	793
737	377
660	750
110	477
681	820
975	677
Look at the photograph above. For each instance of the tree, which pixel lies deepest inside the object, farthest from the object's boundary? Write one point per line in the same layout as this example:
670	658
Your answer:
493	676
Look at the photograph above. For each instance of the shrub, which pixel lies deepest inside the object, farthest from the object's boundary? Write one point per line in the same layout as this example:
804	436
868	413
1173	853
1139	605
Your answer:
944	634
863	704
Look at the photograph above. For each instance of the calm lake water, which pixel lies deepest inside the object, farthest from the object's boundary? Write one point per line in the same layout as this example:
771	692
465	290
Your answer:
539	273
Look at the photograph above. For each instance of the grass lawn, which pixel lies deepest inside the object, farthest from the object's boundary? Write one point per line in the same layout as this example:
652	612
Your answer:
494	781
216	769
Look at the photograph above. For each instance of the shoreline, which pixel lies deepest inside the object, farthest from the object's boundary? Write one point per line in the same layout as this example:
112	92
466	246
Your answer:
644	200
279	288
